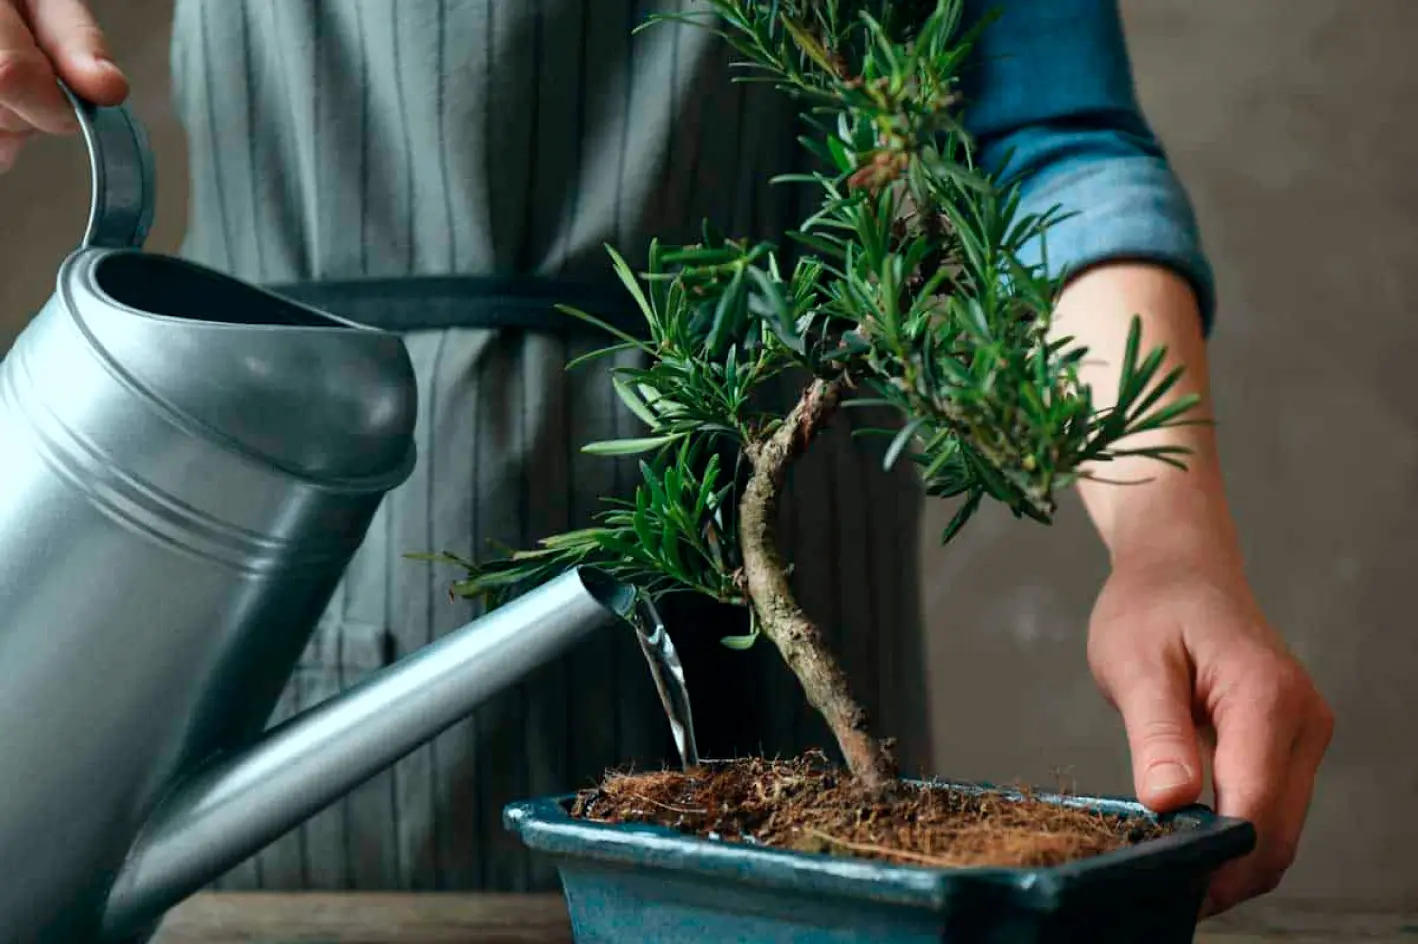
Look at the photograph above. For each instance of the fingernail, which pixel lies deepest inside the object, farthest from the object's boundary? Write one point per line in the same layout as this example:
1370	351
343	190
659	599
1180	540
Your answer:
1167	775
105	64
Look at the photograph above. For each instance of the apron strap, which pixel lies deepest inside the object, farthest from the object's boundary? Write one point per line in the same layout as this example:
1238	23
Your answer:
417	303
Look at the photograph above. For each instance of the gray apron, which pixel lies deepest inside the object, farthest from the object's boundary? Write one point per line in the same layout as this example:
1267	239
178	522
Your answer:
426	144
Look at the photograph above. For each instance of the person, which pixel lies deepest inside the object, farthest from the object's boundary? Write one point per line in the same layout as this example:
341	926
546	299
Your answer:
445	168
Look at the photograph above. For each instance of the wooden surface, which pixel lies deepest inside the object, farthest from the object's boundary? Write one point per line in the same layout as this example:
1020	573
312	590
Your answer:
377	918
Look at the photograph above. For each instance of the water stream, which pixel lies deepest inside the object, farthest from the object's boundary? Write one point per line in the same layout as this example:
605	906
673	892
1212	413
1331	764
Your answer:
668	673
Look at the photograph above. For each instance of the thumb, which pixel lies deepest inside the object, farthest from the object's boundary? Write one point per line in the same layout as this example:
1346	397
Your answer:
68	34
1156	704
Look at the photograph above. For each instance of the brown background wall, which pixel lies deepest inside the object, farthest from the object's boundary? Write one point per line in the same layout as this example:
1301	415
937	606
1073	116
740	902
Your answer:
1292	121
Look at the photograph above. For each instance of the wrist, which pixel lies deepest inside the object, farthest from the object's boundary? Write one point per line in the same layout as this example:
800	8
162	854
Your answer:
1166	515
1179	518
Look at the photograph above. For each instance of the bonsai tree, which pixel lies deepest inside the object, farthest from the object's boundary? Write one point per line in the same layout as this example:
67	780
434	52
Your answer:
908	290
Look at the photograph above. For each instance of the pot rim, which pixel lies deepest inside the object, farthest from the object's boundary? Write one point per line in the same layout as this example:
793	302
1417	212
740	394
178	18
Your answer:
1203	841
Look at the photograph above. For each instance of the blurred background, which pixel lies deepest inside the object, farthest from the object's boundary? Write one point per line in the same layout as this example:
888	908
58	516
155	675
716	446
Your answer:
1292	123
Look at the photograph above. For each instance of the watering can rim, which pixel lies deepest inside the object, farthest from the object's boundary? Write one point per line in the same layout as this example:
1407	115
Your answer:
77	277
81	267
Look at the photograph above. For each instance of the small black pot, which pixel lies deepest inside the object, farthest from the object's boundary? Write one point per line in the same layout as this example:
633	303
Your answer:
637	884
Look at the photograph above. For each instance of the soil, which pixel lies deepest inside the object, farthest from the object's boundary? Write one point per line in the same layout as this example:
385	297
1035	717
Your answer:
806	804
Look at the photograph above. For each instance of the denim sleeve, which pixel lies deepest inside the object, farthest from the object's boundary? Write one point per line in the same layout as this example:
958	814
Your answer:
1051	104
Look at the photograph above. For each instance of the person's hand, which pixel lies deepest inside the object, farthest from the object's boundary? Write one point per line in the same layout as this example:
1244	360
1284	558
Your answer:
1181	649
42	41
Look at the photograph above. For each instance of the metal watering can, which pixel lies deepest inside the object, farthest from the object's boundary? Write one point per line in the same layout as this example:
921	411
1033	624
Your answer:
187	464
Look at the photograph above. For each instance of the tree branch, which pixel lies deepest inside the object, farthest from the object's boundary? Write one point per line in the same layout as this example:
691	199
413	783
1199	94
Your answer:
781	619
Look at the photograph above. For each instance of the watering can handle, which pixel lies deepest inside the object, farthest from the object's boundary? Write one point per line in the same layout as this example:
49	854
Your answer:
121	171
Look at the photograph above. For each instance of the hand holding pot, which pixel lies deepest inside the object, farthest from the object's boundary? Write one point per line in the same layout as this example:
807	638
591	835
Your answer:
42	41
1183	651
1177	641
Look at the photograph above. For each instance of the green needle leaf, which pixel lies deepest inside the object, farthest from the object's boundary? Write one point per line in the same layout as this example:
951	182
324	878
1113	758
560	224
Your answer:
627	447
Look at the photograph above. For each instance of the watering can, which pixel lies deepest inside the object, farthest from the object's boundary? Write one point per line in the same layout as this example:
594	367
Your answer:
187	464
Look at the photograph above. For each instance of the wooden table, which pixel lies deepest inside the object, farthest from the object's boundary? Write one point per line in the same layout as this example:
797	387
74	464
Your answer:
379	918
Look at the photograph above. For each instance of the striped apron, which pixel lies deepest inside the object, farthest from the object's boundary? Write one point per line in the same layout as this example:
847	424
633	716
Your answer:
388	162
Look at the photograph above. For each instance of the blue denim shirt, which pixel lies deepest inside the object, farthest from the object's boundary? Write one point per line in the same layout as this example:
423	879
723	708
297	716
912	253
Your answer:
1051	102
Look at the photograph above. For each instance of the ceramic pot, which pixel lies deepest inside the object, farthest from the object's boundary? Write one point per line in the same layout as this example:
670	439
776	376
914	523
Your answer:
644	884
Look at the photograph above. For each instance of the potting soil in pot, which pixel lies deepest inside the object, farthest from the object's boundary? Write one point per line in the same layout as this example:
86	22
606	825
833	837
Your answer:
807	805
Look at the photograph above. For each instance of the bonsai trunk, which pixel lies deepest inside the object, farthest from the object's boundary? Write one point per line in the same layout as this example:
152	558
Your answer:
780	618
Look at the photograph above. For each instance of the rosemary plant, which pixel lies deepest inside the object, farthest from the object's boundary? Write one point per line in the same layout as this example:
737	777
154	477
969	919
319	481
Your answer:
908	291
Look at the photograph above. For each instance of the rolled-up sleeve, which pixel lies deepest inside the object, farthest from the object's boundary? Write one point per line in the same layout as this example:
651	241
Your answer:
1051	104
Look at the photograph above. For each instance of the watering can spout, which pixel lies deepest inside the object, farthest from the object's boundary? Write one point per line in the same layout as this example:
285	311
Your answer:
238	803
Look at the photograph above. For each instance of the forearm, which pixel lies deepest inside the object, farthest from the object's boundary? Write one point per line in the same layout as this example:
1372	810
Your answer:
1169	512
1053	109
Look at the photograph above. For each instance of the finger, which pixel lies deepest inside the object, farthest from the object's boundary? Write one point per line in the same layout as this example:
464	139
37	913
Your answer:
1155	698
69	35
1277	836
1258	778
1300	786
1243	880
27	82
10	144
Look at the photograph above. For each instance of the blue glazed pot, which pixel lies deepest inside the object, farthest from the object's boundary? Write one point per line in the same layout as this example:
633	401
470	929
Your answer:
639	884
